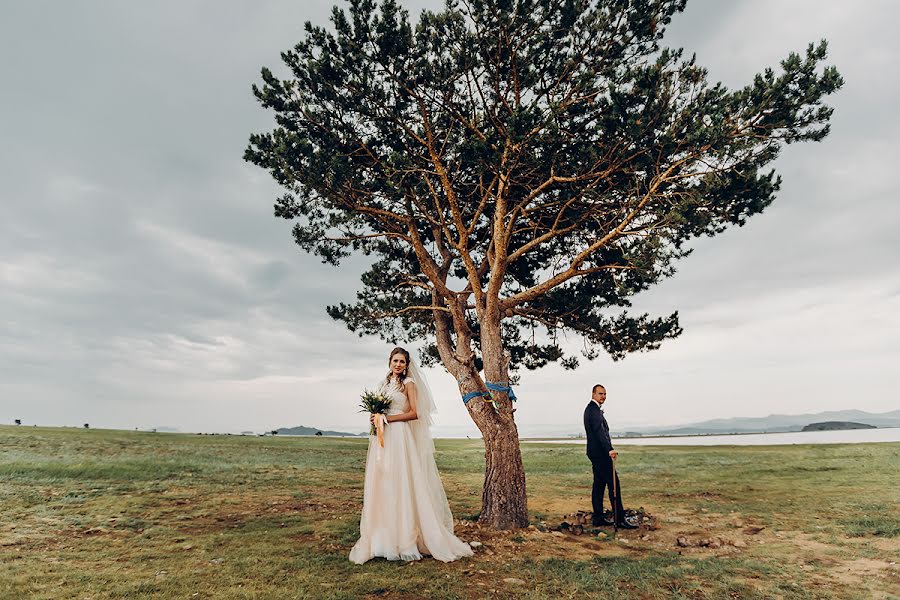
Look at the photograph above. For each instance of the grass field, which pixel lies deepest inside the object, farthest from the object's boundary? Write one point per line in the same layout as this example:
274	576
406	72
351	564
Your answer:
113	514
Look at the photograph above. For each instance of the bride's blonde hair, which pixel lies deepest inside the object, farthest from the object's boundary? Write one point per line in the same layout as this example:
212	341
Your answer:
387	380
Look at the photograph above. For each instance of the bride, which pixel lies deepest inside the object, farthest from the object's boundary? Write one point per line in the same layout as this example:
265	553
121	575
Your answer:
405	512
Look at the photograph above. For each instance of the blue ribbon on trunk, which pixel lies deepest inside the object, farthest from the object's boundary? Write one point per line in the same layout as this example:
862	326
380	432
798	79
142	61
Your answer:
497	387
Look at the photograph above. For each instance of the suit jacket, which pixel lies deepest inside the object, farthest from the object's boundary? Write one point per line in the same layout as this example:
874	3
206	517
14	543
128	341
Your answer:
597	430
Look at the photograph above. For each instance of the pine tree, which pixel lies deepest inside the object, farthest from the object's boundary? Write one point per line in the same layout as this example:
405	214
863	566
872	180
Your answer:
519	168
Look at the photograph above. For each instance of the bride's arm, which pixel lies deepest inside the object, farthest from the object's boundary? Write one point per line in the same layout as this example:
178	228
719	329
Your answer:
411	414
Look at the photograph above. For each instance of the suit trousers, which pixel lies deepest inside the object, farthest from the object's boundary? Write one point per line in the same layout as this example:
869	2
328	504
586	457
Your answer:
603	474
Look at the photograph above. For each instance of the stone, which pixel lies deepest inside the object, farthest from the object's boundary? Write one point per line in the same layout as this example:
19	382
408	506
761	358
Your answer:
740	544
513	581
683	542
476	544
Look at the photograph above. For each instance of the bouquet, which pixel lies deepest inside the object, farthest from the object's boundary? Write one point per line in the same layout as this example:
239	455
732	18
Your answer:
377	404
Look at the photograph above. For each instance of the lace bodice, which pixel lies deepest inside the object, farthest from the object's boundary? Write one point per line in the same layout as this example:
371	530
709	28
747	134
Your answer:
399	401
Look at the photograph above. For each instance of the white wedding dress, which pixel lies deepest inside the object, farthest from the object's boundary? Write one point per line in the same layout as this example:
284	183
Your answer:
405	512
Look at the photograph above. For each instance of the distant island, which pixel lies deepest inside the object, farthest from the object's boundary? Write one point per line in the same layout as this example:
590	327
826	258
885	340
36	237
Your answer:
301	430
836	426
773	424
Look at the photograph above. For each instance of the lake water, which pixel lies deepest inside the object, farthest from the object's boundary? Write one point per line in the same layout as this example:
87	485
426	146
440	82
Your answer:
848	436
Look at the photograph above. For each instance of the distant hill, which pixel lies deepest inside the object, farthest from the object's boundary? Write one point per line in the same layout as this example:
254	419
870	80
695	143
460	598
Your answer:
836	426
776	423
301	430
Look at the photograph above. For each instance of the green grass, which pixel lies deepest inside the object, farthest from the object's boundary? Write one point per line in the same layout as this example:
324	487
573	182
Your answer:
114	514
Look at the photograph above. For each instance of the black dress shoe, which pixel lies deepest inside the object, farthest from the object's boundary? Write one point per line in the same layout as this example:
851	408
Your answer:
603	520
623	524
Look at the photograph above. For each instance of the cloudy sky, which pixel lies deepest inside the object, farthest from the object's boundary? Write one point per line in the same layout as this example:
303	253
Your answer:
144	281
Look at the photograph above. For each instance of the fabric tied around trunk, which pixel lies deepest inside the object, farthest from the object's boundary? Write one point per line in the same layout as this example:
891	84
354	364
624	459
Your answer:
496	387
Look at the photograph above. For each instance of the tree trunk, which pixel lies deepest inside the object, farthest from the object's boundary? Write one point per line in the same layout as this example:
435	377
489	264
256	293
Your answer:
503	499
504	503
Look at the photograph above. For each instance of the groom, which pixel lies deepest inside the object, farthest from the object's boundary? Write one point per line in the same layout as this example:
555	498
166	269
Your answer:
602	455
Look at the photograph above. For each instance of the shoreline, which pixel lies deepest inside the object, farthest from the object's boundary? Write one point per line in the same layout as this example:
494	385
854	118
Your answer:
567	439
690	435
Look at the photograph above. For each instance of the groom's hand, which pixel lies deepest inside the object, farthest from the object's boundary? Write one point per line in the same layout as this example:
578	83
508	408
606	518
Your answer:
613	454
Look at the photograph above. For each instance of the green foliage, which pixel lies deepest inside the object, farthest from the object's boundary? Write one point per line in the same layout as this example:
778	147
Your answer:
552	146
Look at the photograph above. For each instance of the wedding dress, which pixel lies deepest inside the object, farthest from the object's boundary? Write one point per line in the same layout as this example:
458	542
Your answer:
405	512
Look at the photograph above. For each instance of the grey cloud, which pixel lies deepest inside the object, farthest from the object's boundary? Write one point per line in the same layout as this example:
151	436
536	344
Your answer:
144	280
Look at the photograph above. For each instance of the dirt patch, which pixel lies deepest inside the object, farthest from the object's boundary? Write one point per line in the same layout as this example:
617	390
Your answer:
822	563
703	533
236	511
825	564
303	538
853	571
697	533
503	546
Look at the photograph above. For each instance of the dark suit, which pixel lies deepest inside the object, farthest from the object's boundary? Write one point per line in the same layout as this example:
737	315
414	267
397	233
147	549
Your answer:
598	446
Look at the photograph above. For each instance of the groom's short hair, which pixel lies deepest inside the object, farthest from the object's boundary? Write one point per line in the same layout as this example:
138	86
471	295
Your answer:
594	389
